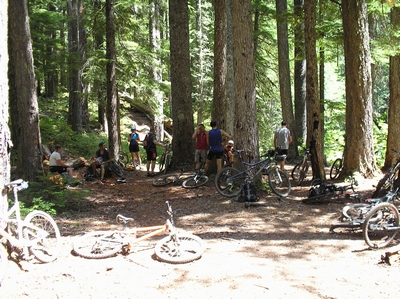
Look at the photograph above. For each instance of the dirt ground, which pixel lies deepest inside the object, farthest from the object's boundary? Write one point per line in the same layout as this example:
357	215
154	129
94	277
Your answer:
276	249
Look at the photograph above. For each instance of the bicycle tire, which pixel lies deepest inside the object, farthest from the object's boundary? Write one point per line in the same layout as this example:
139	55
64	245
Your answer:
279	182
336	168
165	179
291	156
123	158
46	247
3	262
167	163
384	184
98	245
299	175
179	248
116	169
229	181
375	232
195	181
161	163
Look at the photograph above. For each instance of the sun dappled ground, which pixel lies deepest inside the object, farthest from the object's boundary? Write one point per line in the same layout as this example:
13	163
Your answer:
275	249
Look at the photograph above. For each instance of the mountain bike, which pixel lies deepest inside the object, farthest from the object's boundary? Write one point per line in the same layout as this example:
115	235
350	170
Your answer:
37	235
165	159
199	179
172	178
230	181
116	168
354	215
389	180
176	248
381	225
336	168
123	158
299	172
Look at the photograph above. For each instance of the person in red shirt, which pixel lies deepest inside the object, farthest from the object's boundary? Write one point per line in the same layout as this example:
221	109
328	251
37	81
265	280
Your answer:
201	145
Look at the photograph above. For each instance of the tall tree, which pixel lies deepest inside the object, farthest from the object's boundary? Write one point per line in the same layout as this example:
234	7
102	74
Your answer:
25	119
245	125
299	72
5	139
314	125
393	141
182	111
284	69
112	95
359	155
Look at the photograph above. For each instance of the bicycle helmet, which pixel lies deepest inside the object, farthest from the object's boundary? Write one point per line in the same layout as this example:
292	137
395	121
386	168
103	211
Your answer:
230	142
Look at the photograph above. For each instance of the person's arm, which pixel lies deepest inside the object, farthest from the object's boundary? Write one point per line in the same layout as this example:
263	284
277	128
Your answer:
194	135
61	163
275	140
223	133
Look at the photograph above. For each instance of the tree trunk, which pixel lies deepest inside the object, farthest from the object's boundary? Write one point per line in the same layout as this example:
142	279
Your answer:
314	125
299	74
284	69
245	124
393	140
359	153
26	121
5	140
182	111
112	96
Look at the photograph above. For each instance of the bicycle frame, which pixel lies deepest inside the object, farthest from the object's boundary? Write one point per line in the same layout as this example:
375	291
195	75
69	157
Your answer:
265	165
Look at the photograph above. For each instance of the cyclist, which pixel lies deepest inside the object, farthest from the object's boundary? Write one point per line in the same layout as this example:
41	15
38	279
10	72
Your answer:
228	152
282	138
214	140
201	145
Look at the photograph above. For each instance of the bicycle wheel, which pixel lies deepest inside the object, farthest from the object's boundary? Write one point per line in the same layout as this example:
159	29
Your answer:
167	163
195	181
279	182
43	236
165	179
98	245
379	232
297	174
3	262
123	158
161	163
229	181
179	249
384	184
336	168
117	169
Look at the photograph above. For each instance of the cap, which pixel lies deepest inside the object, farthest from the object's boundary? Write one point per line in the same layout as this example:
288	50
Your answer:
133	128
101	143
230	142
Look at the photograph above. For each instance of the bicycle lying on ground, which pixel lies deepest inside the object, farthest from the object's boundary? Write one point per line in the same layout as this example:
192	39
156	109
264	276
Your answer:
381	224
299	172
388	181
37	235
188	180
354	215
322	192
230	181
175	248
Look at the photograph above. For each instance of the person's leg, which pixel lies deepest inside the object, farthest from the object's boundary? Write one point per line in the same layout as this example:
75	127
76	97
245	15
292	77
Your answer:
219	164
102	171
133	158
197	158
148	154
153	165
138	159
69	171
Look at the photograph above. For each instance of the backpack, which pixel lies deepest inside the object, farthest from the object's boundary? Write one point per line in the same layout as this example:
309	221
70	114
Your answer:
147	143
249	193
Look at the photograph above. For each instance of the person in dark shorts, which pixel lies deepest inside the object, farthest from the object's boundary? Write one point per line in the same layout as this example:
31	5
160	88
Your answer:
56	164
134	147
282	138
214	140
102	160
151	152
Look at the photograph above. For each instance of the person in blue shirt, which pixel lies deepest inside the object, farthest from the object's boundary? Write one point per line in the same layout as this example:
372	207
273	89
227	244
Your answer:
215	143
134	147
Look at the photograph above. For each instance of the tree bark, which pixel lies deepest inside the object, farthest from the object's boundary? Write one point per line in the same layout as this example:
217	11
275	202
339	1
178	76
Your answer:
359	153
393	140
112	112
5	138
182	111
314	126
23	92
245	124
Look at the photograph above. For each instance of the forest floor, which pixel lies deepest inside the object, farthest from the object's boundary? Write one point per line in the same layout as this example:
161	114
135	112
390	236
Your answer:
279	248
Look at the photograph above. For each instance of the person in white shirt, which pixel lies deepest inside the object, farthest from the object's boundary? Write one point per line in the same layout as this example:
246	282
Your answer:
56	164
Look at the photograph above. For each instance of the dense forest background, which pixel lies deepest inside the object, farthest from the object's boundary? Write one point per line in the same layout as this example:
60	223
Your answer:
247	64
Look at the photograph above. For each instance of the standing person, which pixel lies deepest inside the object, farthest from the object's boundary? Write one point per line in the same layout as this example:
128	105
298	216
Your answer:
214	140
282	138
151	151
101	160
134	147
200	154
56	164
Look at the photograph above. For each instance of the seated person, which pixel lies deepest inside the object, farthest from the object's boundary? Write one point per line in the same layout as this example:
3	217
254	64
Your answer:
101	160
228	151
56	164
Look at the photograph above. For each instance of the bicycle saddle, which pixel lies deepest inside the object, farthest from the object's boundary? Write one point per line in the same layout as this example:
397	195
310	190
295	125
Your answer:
123	219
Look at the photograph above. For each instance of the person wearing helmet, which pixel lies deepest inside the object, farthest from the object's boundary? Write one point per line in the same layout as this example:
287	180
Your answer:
228	153
133	140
